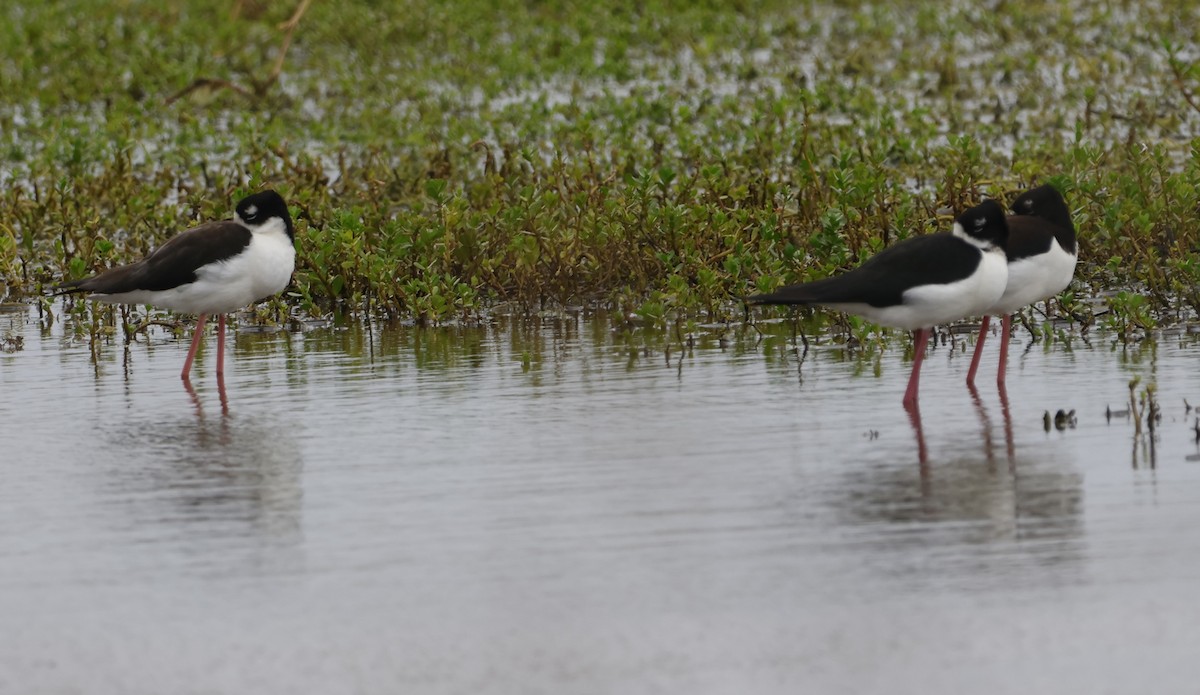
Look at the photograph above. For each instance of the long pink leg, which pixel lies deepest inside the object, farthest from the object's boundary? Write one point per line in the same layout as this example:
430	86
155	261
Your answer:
910	395
187	364
1005	332
220	345
983	326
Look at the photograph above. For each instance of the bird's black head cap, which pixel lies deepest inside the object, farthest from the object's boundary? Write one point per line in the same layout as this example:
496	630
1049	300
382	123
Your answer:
984	224
256	210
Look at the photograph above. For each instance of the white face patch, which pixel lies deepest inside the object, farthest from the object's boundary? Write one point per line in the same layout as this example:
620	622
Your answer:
251	210
981	244
268	227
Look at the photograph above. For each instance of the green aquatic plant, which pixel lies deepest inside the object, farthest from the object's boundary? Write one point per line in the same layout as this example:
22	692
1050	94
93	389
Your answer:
656	160
1128	314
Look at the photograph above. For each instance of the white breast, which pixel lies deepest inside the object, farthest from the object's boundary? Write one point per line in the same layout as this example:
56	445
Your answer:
262	269
1035	278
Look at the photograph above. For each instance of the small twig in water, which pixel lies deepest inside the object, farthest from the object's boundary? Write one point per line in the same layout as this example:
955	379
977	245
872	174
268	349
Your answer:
1033	335
171	325
1133	406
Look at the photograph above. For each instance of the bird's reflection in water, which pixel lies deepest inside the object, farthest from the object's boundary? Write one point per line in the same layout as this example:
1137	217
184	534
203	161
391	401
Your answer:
982	514
221	395
986	428
232	482
1006	413
914	419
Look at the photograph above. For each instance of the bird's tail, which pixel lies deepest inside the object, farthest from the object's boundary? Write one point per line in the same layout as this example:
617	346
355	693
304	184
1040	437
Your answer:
70	287
808	293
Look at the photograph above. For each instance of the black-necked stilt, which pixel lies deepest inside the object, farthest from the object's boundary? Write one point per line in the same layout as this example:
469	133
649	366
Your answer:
215	268
920	282
1041	262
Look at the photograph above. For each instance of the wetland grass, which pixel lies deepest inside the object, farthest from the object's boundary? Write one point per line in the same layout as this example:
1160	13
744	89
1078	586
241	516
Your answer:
644	158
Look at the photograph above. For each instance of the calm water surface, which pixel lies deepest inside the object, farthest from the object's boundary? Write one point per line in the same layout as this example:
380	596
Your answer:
562	506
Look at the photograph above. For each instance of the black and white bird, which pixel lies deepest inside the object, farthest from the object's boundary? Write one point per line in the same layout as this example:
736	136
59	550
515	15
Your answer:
1041	262
215	268
920	282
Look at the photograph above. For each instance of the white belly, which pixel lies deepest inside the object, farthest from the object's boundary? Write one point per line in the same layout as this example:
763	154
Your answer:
1036	278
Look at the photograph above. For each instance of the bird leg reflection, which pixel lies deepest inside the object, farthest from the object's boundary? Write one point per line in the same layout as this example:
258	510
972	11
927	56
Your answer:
191	390
914	418
988	447
1009	449
221	394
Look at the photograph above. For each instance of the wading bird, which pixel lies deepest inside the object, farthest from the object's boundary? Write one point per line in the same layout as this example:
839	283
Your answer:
215	268
1041	262
920	282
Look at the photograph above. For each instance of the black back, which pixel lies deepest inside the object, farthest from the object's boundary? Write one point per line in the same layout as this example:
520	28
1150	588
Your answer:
881	281
172	264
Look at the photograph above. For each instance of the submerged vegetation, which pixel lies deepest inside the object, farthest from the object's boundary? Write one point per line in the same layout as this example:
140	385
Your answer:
654	159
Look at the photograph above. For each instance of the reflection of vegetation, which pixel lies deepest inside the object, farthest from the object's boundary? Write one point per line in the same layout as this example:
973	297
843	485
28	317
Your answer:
656	158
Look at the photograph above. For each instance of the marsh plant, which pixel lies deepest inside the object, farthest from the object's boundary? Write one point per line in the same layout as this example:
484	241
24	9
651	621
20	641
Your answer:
647	158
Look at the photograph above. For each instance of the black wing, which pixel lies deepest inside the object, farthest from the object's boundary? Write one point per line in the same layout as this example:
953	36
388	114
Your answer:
172	264
933	259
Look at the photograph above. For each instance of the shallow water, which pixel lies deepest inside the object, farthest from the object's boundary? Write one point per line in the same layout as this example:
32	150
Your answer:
563	506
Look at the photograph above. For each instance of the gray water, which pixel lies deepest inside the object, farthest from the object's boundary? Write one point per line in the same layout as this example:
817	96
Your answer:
566	506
